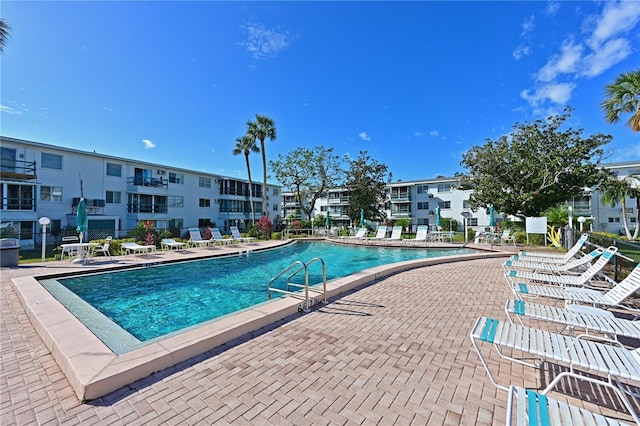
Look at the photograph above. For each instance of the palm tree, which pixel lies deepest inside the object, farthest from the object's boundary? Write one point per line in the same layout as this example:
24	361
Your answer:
261	129
624	97
616	191
4	33
246	145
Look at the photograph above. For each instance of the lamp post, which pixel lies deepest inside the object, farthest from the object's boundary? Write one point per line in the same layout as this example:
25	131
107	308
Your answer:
582	220
44	221
466	214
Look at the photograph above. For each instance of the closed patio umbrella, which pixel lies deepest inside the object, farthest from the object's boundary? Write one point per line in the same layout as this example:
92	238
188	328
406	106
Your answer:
361	217
438	216
81	216
327	221
492	217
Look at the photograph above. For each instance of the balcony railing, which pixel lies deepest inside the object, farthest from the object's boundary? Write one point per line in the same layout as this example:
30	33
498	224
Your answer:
400	198
11	203
148	181
17	170
147	208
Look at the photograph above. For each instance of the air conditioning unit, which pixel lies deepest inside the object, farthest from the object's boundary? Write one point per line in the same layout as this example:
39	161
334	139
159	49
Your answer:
162	172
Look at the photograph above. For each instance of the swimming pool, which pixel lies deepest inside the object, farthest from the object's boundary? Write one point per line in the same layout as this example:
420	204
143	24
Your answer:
127	308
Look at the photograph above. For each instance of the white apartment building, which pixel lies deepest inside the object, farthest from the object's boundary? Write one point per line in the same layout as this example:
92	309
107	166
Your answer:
39	180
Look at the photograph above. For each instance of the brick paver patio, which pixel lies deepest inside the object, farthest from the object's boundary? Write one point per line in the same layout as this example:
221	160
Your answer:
395	352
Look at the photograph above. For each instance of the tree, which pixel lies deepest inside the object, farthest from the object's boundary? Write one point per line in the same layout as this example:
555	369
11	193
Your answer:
617	190
536	167
365	184
261	129
308	174
4	33
246	145
624	97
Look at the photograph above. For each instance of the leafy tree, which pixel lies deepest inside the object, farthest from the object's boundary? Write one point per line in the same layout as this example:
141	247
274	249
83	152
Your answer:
615	190
536	167
365	183
557	216
246	145
624	97
4	33
261	129
308	174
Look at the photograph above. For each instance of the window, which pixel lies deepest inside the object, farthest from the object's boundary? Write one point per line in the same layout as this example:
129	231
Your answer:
466	205
275	191
113	197
20	197
204	222
204	182
114	169
51	161
205	202
176	223
472	221
50	193
444	187
422	189
423	206
176	201
444	204
632	219
614	220
275	207
176	178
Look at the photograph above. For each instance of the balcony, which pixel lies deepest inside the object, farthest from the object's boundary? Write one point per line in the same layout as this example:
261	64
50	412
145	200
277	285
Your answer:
11	203
18	170
149	182
147	208
400	198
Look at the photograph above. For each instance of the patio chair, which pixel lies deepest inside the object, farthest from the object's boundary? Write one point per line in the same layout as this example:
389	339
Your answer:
104	249
612	298
578	263
506	237
422	233
553	257
381	233
196	239
235	234
588	318
614	362
171	244
565	279
135	248
526	406
216	236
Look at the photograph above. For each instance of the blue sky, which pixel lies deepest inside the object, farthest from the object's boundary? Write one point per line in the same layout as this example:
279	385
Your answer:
414	83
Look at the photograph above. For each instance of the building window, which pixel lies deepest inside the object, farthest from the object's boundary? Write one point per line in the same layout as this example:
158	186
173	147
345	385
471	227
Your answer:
275	207
50	193
20	197
205	202
176	223
176	201
51	161
204	182
614	220
204	222
423	205
114	169
472	221
275	191
444	204
113	197
422	189
444	187
176	178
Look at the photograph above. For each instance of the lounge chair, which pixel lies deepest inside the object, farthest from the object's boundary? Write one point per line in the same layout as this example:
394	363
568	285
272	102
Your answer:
135	248
396	233
196	238
578	263
104	249
615	362
553	257
361	233
381	234
171	244
612	298
564	279
526	406
235	234
422	233
590	319
216	236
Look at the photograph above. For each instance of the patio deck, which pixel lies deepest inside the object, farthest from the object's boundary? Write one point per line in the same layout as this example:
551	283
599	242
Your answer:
395	352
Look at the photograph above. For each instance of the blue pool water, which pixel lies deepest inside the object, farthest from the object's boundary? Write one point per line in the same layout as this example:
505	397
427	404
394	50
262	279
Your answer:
154	301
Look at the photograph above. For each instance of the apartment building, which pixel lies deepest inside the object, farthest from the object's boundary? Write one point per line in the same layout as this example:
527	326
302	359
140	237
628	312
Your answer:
39	180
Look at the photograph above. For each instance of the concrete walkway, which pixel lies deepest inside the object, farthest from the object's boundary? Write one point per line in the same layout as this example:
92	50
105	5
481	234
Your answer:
395	352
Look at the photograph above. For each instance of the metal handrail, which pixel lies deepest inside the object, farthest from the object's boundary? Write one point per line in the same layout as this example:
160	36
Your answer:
305	267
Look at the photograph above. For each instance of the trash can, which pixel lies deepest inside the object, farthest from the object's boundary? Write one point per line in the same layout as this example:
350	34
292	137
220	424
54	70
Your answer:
9	252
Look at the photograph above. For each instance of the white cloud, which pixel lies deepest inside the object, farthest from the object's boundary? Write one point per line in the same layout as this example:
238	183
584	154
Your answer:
418	134
521	51
563	63
558	93
364	136
148	144
434	133
552	8
9	110
617	18
264	42
528	26
607	55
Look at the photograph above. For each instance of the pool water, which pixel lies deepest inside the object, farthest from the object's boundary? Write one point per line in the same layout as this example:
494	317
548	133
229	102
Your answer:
155	301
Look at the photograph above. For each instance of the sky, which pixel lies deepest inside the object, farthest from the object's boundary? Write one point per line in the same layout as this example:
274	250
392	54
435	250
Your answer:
415	84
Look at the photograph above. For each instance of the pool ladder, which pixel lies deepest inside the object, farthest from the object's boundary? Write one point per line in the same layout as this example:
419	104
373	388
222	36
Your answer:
301	267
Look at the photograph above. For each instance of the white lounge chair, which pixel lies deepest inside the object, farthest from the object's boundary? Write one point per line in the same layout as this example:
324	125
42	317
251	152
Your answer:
196	239
396	233
553	257
381	233
576	263
135	248
104	248
564	279
526	406
422	233
614	362
235	234
588	318
360	233
613	297
171	244
506	237
216	236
